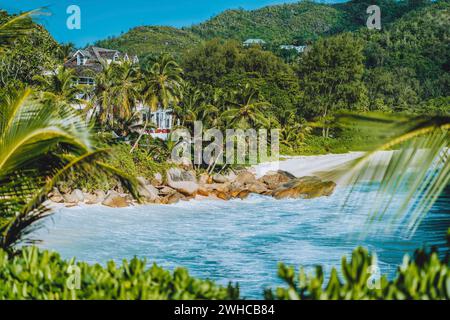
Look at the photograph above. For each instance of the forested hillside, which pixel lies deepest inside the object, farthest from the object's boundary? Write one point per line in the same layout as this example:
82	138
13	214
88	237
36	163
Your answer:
409	60
279	24
290	23
298	23
150	41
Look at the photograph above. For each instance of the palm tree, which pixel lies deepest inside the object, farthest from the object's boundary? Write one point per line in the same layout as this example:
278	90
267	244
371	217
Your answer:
293	130
162	83
65	50
116	93
212	107
247	109
161	87
59	86
189	106
39	145
125	90
417	169
102	102
132	125
209	114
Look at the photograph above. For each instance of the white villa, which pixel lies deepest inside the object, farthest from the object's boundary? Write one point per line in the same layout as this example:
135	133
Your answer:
161	118
299	49
89	61
251	42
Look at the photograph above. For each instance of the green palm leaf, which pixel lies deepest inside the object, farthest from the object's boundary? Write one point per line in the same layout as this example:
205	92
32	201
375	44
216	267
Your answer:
16	27
40	144
409	177
162	83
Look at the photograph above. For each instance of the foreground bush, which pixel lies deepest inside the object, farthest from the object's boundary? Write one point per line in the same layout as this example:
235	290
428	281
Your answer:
425	277
34	274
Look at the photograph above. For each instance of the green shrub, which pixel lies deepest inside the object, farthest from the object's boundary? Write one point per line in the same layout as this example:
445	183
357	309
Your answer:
34	274
424	277
137	164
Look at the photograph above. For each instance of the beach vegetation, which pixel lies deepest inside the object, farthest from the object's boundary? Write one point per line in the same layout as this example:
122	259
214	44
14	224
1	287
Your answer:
37	274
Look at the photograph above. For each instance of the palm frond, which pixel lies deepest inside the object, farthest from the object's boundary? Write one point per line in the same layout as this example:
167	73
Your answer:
408	170
40	144
16	27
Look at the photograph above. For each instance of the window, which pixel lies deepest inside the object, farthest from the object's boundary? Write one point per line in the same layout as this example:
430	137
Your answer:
81	60
86	80
167	122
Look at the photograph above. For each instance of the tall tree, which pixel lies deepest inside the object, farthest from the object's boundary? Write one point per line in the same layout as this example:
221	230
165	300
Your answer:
162	83
102	102
246	110
125	90
331	77
59	87
190	105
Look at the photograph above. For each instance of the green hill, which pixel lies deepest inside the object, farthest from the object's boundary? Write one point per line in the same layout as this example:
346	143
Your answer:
149	41
275	24
409	60
296	23
288	23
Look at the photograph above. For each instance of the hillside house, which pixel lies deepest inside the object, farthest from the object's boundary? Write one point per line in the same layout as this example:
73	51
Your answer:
252	42
299	49
88	62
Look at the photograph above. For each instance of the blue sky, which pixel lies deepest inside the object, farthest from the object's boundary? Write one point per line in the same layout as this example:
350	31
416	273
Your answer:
103	18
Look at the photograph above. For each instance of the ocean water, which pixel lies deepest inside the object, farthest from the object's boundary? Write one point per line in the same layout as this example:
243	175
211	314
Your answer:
239	240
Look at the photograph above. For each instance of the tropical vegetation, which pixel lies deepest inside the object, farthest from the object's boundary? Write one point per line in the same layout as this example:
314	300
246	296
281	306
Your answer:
425	276
395	81
296	23
36	274
41	141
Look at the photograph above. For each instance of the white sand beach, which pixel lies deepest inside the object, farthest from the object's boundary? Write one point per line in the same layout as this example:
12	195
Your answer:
305	165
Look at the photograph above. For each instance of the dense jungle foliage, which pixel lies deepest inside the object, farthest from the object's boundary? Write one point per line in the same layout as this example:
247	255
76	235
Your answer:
404	67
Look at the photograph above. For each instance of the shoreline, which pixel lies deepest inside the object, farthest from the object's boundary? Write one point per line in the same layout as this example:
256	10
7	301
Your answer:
308	165
290	168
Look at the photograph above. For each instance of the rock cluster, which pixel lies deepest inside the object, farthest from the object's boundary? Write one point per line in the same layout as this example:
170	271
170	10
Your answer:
182	184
